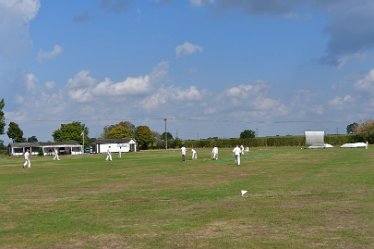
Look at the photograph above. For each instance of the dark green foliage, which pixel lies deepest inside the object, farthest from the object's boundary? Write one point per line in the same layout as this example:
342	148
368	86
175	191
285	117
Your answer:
15	133
247	134
351	128
342	139
144	137
365	130
169	136
32	139
70	132
2	118
124	129
335	140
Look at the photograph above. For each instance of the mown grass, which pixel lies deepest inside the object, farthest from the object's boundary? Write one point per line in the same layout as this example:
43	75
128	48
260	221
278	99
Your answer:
296	199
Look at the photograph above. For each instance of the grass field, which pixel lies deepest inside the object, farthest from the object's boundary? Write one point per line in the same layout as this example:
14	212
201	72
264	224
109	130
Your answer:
296	199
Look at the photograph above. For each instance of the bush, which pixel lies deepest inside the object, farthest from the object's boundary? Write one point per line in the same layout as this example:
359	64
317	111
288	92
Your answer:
269	141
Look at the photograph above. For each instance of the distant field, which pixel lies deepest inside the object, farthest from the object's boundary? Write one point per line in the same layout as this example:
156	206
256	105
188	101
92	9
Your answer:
296	199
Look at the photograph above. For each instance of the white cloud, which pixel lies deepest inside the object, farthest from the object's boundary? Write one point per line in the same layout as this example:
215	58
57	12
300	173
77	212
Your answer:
15	16
340	102
30	81
81	95
253	100
50	85
187	48
346	58
318	109
18	116
130	86
265	103
171	96
81	79
83	87
246	90
19	99
192	93
155	100
201	2
160	72
49	55
210	110
367	83
24	10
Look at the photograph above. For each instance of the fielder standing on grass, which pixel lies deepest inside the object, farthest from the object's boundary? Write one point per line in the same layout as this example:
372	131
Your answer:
241	150
27	163
215	153
183	151
194	154
237	151
108	155
56	157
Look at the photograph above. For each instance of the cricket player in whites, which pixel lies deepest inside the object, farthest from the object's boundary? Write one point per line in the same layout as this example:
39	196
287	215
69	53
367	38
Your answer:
237	151
194	154
56	157
27	163
183	151
108	155
242	150
215	153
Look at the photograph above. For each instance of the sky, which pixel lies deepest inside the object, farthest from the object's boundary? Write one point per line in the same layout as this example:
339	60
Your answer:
211	68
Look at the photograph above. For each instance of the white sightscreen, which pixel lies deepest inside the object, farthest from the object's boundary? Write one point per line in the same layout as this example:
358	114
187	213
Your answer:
314	138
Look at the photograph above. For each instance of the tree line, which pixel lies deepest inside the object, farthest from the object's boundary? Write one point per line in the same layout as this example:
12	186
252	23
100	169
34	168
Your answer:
76	131
146	138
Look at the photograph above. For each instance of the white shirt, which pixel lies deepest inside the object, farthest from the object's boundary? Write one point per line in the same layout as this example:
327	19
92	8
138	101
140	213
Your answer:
183	150
215	150
27	155
237	151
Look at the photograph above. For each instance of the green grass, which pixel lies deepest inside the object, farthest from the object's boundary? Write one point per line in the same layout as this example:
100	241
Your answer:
296	199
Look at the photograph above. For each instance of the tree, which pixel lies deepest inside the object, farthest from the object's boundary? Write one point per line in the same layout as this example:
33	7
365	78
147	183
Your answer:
366	131
71	132
144	136
177	143
2	146
124	129
169	136
15	133
247	134
2	118
32	139
351	128
157	140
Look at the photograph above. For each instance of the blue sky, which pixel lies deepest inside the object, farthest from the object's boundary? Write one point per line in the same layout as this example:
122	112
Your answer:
211	67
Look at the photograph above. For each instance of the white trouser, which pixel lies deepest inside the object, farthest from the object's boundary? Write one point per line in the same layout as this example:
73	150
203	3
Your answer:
109	157
27	163
237	160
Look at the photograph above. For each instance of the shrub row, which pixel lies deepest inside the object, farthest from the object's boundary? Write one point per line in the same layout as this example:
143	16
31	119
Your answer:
335	140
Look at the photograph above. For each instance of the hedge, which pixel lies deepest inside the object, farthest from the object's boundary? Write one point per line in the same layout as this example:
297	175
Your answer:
335	140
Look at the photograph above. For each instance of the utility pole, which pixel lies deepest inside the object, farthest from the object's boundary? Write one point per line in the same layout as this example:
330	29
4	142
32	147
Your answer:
166	135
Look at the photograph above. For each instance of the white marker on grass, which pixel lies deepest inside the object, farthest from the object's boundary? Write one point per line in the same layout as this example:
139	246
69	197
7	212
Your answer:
243	192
